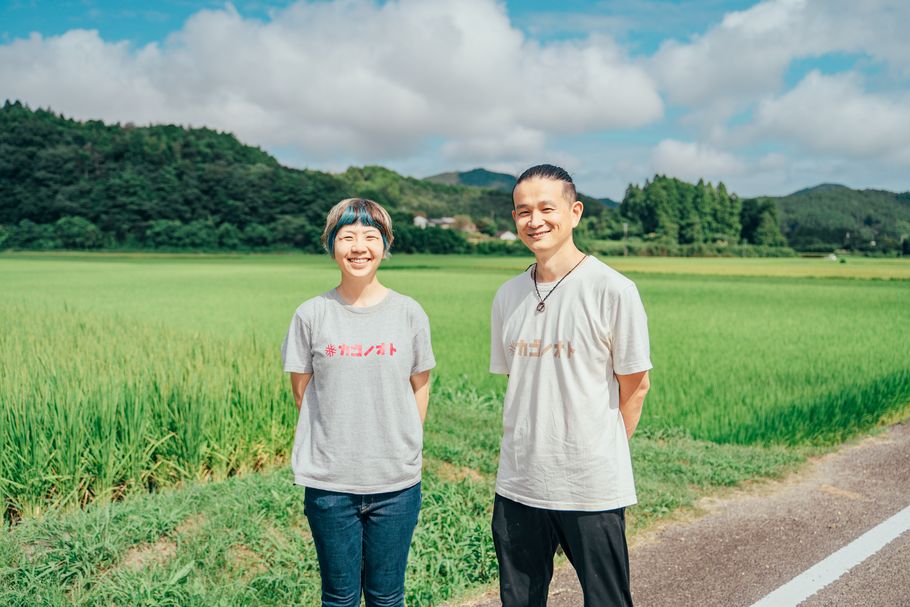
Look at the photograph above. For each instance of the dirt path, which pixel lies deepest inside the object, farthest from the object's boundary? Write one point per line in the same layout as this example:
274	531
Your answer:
749	543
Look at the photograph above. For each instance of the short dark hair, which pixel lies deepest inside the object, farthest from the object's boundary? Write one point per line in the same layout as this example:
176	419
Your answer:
550	171
357	210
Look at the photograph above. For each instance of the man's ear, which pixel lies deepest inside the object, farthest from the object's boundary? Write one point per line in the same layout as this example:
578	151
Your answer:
578	209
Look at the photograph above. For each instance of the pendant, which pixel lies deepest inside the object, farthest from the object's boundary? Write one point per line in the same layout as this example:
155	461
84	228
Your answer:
540	307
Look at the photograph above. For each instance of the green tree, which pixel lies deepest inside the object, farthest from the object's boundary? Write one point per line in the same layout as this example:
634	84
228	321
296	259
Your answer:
229	236
30	235
256	235
78	233
760	224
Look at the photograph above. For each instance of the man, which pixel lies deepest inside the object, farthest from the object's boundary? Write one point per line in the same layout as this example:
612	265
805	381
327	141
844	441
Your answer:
572	336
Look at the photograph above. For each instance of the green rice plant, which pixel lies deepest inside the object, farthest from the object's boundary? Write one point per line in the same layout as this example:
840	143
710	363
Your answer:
127	373
775	360
98	407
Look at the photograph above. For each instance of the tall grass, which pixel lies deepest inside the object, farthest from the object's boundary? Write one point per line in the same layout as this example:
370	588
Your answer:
126	373
94	407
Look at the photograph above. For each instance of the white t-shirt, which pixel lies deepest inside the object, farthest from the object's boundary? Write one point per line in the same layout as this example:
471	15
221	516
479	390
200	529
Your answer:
564	444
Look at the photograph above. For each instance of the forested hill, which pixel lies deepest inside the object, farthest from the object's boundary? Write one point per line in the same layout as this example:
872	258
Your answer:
71	184
65	183
832	216
123	185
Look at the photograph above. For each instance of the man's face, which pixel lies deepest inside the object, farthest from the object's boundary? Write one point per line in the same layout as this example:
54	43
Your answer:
544	218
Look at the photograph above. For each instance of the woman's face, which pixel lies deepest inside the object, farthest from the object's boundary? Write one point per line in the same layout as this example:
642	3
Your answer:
358	250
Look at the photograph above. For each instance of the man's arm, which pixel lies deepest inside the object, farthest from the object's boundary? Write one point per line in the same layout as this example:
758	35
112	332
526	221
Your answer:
420	383
299	383
632	391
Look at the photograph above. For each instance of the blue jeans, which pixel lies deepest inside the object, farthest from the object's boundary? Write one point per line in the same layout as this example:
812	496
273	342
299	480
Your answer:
362	542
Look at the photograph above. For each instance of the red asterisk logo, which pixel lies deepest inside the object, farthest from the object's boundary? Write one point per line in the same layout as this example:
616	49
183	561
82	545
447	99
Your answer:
330	350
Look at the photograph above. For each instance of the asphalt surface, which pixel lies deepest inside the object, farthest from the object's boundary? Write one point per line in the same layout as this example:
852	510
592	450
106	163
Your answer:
751	542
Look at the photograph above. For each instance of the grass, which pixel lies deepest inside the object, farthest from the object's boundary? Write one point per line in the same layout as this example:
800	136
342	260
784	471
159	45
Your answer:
245	541
125	379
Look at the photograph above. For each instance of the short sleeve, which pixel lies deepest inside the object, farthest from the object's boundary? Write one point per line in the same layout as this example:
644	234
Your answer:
498	362
296	352
422	346
631	348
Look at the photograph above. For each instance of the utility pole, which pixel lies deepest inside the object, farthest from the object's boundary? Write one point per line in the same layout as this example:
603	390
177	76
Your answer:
625	238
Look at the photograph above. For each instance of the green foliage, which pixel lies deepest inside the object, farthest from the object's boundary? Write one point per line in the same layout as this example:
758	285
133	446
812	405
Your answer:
411	239
158	186
636	247
122	186
829	217
30	235
408	196
760	222
671	211
78	233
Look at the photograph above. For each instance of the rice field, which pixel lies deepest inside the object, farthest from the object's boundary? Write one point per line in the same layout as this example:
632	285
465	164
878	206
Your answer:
121	375
128	372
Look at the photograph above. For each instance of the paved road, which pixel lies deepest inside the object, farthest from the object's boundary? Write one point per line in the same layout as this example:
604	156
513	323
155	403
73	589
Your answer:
749	544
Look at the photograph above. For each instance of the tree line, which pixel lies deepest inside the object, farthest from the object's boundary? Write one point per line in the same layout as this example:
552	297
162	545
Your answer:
88	185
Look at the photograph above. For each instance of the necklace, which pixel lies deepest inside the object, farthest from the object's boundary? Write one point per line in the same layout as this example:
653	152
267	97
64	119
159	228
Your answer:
541	306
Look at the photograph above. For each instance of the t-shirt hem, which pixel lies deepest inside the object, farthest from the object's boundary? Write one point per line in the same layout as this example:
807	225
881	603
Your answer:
300	479
297	369
634	368
619	502
499	370
422	368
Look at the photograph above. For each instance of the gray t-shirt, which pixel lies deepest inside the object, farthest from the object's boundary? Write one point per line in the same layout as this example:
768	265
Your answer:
564	443
359	430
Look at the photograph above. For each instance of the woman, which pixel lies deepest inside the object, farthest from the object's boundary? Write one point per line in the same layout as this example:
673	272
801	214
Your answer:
360	358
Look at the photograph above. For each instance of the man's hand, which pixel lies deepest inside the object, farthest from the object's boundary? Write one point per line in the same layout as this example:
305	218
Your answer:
632	391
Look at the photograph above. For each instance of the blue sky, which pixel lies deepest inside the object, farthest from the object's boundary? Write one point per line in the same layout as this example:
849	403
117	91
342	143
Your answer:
769	97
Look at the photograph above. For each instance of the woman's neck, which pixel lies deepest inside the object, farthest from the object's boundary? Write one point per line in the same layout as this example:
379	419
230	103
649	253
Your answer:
361	293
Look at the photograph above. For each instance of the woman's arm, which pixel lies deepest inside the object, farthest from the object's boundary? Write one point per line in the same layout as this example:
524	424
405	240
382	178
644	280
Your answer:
420	383
299	383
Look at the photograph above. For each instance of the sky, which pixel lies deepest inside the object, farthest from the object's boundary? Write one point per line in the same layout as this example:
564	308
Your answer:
769	97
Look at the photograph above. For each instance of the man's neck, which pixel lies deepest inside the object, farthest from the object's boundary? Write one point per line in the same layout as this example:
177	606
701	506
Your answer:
558	263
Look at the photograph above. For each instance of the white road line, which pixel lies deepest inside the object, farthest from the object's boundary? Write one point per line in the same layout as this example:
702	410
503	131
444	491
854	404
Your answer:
830	569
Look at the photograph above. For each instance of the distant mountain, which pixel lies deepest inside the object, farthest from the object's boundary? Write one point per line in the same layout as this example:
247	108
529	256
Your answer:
477	178
482	178
830	216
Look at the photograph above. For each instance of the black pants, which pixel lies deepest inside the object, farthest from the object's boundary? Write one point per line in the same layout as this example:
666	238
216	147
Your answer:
526	539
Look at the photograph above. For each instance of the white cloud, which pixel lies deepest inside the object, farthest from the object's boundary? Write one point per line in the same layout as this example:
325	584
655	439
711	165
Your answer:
746	55
834	115
349	77
693	161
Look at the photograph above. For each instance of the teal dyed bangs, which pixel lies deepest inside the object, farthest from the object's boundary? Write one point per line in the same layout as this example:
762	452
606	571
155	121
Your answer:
355	214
